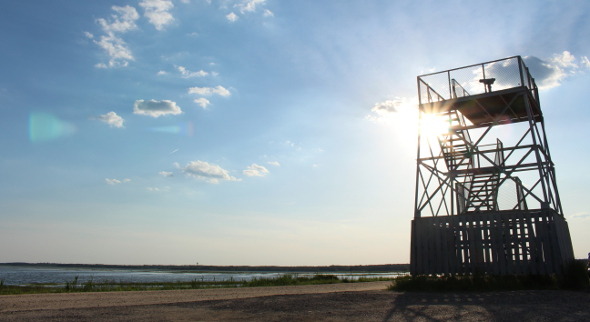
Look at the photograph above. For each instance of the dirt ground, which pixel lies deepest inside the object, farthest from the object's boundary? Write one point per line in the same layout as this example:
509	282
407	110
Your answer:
336	302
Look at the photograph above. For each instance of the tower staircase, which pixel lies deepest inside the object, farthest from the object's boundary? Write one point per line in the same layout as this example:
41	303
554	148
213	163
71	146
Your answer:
478	186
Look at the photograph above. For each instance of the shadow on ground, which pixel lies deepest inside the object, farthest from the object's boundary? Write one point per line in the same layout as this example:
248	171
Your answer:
344	306
394	306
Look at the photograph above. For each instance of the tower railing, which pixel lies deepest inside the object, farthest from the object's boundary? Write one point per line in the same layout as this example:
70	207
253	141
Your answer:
476	79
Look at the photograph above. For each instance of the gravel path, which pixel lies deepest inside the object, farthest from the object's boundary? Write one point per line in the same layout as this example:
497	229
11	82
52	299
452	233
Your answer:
335	302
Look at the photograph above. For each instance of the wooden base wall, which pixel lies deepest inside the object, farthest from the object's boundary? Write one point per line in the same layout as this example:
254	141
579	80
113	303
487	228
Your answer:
498	243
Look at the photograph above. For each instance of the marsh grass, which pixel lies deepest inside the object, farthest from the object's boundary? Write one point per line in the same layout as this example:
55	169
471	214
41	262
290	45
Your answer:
289	279
113	286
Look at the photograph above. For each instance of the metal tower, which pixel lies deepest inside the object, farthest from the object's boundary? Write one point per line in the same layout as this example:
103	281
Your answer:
486	196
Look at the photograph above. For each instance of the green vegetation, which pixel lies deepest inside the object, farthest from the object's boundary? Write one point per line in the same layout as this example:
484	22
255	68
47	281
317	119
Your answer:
289	279
576	277
91	286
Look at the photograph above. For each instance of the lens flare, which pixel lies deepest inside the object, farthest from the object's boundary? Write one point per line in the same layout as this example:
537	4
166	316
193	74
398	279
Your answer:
46	127
182	129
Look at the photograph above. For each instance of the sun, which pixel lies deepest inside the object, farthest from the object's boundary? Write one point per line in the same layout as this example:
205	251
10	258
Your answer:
433	125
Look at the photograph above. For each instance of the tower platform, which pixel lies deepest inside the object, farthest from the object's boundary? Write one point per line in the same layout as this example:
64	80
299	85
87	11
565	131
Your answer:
499	107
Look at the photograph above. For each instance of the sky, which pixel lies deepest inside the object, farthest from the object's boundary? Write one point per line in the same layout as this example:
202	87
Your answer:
252	132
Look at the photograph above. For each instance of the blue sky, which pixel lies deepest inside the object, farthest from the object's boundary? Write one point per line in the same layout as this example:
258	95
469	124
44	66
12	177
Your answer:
251	132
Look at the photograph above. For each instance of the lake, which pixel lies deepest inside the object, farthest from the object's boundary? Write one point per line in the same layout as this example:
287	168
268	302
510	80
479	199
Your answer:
26	275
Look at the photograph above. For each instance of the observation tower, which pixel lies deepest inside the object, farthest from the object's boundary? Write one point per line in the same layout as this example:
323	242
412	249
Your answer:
486	196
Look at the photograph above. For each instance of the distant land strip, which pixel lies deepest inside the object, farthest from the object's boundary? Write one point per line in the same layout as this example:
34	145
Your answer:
243	268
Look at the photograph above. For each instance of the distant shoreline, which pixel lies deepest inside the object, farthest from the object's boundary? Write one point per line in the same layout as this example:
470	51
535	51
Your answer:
237	268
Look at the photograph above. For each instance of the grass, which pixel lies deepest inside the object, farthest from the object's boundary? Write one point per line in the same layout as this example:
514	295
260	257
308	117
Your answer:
289	279
112	286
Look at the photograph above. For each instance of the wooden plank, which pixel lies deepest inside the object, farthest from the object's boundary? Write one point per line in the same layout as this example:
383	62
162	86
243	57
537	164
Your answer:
542	240
531	245
472	237
495	238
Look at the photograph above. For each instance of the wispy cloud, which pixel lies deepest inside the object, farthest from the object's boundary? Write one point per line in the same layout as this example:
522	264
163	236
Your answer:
158	12
232	17
122	21
208	91
205	171
167	174
156	108
117	49
116	181
274	163
112	119
255	170
580	215
247	6
388	106
268	13
158	189
185	73
203	102
550	73
382	110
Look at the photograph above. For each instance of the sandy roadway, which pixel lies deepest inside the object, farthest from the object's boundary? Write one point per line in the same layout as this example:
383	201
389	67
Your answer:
335	302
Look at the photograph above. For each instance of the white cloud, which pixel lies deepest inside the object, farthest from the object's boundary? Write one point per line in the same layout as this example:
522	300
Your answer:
203	102
255	170
274	163
162	72
386	107
156	108
122	21
249	5
158	189
88	35
579	215
552	72
116	181
158	12
232	17
117	49
167	174
112	119
211	173
268	13
207	91
188	74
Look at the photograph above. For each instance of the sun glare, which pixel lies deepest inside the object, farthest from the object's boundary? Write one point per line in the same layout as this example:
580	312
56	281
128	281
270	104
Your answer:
432	125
